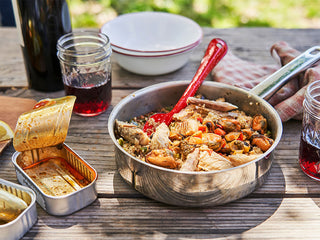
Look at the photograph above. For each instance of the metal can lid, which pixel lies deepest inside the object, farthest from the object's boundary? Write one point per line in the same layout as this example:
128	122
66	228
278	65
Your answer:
45	125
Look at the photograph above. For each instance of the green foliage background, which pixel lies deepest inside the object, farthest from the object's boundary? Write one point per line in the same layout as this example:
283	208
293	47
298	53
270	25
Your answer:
210	13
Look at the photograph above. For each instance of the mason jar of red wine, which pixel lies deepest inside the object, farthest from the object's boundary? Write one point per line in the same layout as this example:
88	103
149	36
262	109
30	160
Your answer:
309	152
85	59
40	24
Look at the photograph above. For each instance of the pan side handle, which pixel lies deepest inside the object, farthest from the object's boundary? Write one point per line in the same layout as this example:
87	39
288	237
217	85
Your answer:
267	88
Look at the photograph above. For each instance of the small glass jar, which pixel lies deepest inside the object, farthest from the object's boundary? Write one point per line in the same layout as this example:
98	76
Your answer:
309	152
85	59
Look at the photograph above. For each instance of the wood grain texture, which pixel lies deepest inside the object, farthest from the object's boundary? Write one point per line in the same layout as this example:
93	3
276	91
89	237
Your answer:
285	207
139	218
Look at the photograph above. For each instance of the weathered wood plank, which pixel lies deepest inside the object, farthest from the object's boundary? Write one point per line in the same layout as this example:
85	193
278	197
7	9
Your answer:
286	206
123	218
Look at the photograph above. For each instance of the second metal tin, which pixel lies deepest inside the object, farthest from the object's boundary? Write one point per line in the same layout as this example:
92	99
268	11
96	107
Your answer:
16	228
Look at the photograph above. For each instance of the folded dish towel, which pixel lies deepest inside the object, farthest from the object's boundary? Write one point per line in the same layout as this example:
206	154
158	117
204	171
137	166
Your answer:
288	100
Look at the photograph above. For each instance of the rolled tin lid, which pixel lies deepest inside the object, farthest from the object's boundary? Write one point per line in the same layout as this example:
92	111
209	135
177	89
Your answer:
45	125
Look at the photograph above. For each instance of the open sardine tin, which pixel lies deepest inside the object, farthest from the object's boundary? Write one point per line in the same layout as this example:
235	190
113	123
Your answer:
18	211
62	180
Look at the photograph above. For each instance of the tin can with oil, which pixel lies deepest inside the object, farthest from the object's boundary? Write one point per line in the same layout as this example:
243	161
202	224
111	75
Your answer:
62	180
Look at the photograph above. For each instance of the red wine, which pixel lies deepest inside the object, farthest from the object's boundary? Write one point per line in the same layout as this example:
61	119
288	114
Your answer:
309	158
91	99
41	23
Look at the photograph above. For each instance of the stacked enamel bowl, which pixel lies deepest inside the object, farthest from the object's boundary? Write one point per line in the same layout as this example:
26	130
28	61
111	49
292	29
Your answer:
152	43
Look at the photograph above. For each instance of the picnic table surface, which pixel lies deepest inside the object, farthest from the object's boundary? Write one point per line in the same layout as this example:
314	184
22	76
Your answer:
287	206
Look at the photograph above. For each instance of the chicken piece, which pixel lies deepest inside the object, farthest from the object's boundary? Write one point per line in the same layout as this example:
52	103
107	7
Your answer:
132	133
212	161
185	128
191	162
239	159
160	138
184	114
215	105
162	158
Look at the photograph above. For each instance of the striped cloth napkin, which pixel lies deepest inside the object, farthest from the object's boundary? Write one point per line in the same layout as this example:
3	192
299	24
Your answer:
288	100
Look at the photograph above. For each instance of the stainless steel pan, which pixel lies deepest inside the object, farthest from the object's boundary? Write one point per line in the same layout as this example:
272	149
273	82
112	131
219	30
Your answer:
203	188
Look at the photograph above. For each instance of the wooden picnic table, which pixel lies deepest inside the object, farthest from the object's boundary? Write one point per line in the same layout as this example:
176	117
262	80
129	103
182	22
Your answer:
287	206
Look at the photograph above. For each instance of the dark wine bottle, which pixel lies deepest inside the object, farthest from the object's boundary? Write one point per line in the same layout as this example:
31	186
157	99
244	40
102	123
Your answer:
40	24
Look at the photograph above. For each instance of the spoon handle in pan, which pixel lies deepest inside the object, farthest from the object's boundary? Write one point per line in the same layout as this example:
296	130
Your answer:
216	50
267	88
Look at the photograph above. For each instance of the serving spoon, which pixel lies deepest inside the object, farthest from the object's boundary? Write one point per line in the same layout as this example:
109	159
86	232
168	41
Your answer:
216	50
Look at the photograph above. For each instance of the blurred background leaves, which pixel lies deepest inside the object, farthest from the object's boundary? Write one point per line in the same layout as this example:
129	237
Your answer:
208	13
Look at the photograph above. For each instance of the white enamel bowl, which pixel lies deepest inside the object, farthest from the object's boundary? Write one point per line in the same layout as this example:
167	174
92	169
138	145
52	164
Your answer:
152	32
153	54
152	43
153	65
